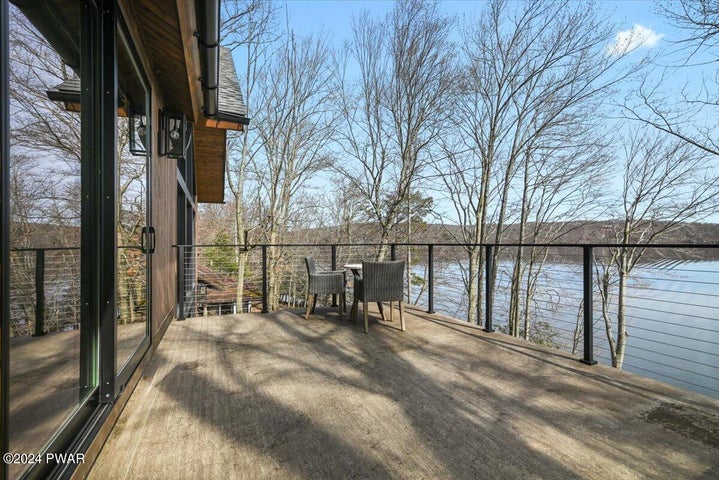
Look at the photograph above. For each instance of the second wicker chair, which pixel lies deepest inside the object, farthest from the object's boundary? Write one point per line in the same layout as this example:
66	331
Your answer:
380	282
323	282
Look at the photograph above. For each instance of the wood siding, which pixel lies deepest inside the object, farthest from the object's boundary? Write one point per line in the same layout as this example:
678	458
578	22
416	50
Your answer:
164	219
210	151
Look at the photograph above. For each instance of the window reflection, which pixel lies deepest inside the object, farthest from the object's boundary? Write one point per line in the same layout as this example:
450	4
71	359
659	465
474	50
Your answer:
44	374
132	203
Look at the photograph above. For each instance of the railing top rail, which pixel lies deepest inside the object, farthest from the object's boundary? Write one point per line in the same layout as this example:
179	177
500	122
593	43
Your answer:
486	244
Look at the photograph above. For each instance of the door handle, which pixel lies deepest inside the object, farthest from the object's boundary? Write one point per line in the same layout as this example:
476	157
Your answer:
148	240
153	239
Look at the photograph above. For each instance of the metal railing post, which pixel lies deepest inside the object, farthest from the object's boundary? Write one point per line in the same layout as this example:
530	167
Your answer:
430	272
588	308
180	282
488	288
393	252
334	267
39	293
265	305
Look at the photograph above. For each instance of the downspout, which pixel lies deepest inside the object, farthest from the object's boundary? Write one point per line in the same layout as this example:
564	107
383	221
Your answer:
208	39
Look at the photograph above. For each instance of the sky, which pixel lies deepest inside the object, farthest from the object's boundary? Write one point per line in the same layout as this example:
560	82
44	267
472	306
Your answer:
638	24
334	16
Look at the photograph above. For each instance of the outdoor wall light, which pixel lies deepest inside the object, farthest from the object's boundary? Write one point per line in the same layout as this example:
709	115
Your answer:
173	134
138	133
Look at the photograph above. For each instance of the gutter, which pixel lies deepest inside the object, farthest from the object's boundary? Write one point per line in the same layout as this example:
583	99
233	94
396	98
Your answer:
208	39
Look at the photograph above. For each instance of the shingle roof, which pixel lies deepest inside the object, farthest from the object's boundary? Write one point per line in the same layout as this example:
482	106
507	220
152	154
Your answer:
67	91
231	104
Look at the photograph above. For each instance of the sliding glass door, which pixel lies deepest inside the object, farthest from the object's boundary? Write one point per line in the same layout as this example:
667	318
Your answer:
135	237
76	321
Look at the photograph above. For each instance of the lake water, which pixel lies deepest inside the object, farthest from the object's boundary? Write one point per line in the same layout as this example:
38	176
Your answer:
672	316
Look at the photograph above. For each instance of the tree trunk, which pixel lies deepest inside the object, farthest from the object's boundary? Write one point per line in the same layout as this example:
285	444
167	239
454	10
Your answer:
409	251
473	289
383	244
604	290
513	322
622	335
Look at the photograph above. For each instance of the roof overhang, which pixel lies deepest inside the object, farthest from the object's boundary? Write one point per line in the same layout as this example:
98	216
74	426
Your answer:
179	43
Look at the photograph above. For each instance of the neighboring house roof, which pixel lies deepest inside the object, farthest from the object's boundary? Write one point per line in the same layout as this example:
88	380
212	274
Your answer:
222	288
67	92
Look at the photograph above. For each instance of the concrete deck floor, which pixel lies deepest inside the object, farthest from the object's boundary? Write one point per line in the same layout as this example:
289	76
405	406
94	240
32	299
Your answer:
275	396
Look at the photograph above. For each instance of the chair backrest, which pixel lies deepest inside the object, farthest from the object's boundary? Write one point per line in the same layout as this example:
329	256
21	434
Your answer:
383	281
311	267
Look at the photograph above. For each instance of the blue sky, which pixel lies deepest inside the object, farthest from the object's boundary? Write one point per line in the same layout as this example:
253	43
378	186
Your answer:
334	16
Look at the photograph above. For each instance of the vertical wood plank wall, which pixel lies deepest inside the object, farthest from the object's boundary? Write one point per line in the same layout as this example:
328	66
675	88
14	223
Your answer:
164	219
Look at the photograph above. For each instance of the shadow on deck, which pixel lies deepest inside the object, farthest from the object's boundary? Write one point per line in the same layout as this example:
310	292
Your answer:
275	396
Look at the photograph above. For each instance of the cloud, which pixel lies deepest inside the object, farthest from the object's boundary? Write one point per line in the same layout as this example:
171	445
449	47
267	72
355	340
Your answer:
628	40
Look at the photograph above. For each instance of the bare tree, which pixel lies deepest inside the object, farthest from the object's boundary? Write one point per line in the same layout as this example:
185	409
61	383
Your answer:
396	110
44	180
295	126
132	208
249	26
677	113
37	122
562	188
666	182
699	19
530	70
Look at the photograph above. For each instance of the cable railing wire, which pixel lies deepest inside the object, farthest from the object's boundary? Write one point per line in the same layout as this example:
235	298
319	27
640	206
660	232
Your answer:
646	319
673	335
556	302
656	362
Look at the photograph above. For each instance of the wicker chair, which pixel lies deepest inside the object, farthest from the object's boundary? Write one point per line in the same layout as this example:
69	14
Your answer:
323	282
380	282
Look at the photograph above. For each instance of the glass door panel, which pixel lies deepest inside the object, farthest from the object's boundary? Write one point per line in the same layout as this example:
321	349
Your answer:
134	237
46	384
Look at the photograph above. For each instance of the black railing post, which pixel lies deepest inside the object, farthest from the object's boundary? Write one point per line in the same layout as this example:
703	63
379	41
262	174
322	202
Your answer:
393	252
39	293
265	305
488	288
180	282
588	308
334	267
430	273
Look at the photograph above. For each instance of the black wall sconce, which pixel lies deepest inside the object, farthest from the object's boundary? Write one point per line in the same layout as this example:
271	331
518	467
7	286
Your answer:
173	134
138	133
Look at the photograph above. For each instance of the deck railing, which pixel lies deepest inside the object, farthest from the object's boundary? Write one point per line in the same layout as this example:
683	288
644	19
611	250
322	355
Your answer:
45	290
670	300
